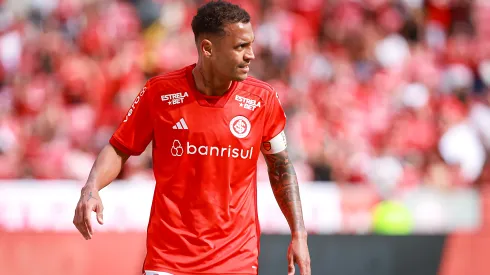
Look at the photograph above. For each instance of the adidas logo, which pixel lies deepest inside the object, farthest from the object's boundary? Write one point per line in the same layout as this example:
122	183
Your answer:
180	125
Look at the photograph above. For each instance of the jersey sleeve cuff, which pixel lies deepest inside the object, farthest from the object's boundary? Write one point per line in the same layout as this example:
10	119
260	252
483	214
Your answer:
114	141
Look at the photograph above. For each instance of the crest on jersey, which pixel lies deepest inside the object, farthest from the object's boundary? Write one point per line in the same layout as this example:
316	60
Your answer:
240	126
267	146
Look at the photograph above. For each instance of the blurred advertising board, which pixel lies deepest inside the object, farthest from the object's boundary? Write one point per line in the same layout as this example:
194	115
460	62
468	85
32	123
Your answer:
328	209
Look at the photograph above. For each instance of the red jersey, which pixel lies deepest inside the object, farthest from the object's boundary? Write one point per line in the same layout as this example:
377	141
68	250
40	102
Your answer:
205	149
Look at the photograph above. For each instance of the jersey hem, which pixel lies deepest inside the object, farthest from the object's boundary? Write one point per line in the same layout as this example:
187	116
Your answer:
175	272
114	141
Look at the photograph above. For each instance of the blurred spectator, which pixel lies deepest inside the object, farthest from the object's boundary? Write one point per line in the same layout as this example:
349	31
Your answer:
387	93
460	144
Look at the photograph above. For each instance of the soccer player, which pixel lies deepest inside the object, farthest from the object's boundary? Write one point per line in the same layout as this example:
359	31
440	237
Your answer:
208	124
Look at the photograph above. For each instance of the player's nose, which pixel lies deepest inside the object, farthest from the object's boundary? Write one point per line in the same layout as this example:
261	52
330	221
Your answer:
249	55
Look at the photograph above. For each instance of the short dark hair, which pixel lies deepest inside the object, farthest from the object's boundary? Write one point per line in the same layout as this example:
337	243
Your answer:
212	17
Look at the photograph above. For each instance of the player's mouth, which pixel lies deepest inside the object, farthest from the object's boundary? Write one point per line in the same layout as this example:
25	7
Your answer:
244	68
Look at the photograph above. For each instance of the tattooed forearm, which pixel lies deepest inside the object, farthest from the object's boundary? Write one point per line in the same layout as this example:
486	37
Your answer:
285	186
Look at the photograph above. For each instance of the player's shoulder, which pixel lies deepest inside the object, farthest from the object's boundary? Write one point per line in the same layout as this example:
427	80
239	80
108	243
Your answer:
173	77
171	87
258	86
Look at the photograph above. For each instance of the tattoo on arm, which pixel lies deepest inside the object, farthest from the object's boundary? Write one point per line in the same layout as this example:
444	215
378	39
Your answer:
90	196
285	187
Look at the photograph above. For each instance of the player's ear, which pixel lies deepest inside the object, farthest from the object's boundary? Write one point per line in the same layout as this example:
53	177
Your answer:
206	47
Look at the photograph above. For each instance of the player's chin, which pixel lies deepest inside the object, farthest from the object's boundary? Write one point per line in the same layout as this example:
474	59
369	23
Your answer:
240	76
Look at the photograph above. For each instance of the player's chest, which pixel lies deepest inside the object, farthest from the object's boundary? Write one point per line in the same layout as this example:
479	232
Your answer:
240	121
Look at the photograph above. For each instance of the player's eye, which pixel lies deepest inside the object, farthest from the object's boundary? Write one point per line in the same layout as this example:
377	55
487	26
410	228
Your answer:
243	45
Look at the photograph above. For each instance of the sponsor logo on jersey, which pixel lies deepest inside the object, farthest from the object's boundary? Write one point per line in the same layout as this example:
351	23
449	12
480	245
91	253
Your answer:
180	125
240	126
247	103
277	95
178	150
174	99
136	101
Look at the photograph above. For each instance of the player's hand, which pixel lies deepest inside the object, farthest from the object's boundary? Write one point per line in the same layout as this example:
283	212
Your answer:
298	253
89	201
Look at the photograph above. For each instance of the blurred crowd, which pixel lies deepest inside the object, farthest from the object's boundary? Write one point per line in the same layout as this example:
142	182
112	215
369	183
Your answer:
390	92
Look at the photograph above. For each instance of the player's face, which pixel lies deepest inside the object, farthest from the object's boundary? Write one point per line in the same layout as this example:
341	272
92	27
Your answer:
233	52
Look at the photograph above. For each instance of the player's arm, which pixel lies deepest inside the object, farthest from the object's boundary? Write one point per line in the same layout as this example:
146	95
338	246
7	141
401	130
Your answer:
284	184
131	138
286	191
281	171
106	168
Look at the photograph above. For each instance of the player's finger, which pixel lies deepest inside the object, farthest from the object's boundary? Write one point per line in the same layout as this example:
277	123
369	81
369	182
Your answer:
82	227
291	264
79	221
308	266
87	211
304	267
100	215
76	218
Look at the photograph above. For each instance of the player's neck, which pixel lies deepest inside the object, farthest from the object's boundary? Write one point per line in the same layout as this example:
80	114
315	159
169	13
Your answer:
207	82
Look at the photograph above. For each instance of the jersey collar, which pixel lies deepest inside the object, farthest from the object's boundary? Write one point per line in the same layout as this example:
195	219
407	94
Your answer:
208	100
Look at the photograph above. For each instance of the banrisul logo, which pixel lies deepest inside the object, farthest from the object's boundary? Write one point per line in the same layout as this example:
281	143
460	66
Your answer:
178	149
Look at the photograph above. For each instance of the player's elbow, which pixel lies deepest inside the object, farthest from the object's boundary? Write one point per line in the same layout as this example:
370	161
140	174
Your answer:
124	156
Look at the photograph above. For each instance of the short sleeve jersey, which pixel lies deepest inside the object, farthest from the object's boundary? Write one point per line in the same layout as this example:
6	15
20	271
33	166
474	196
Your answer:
205	149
